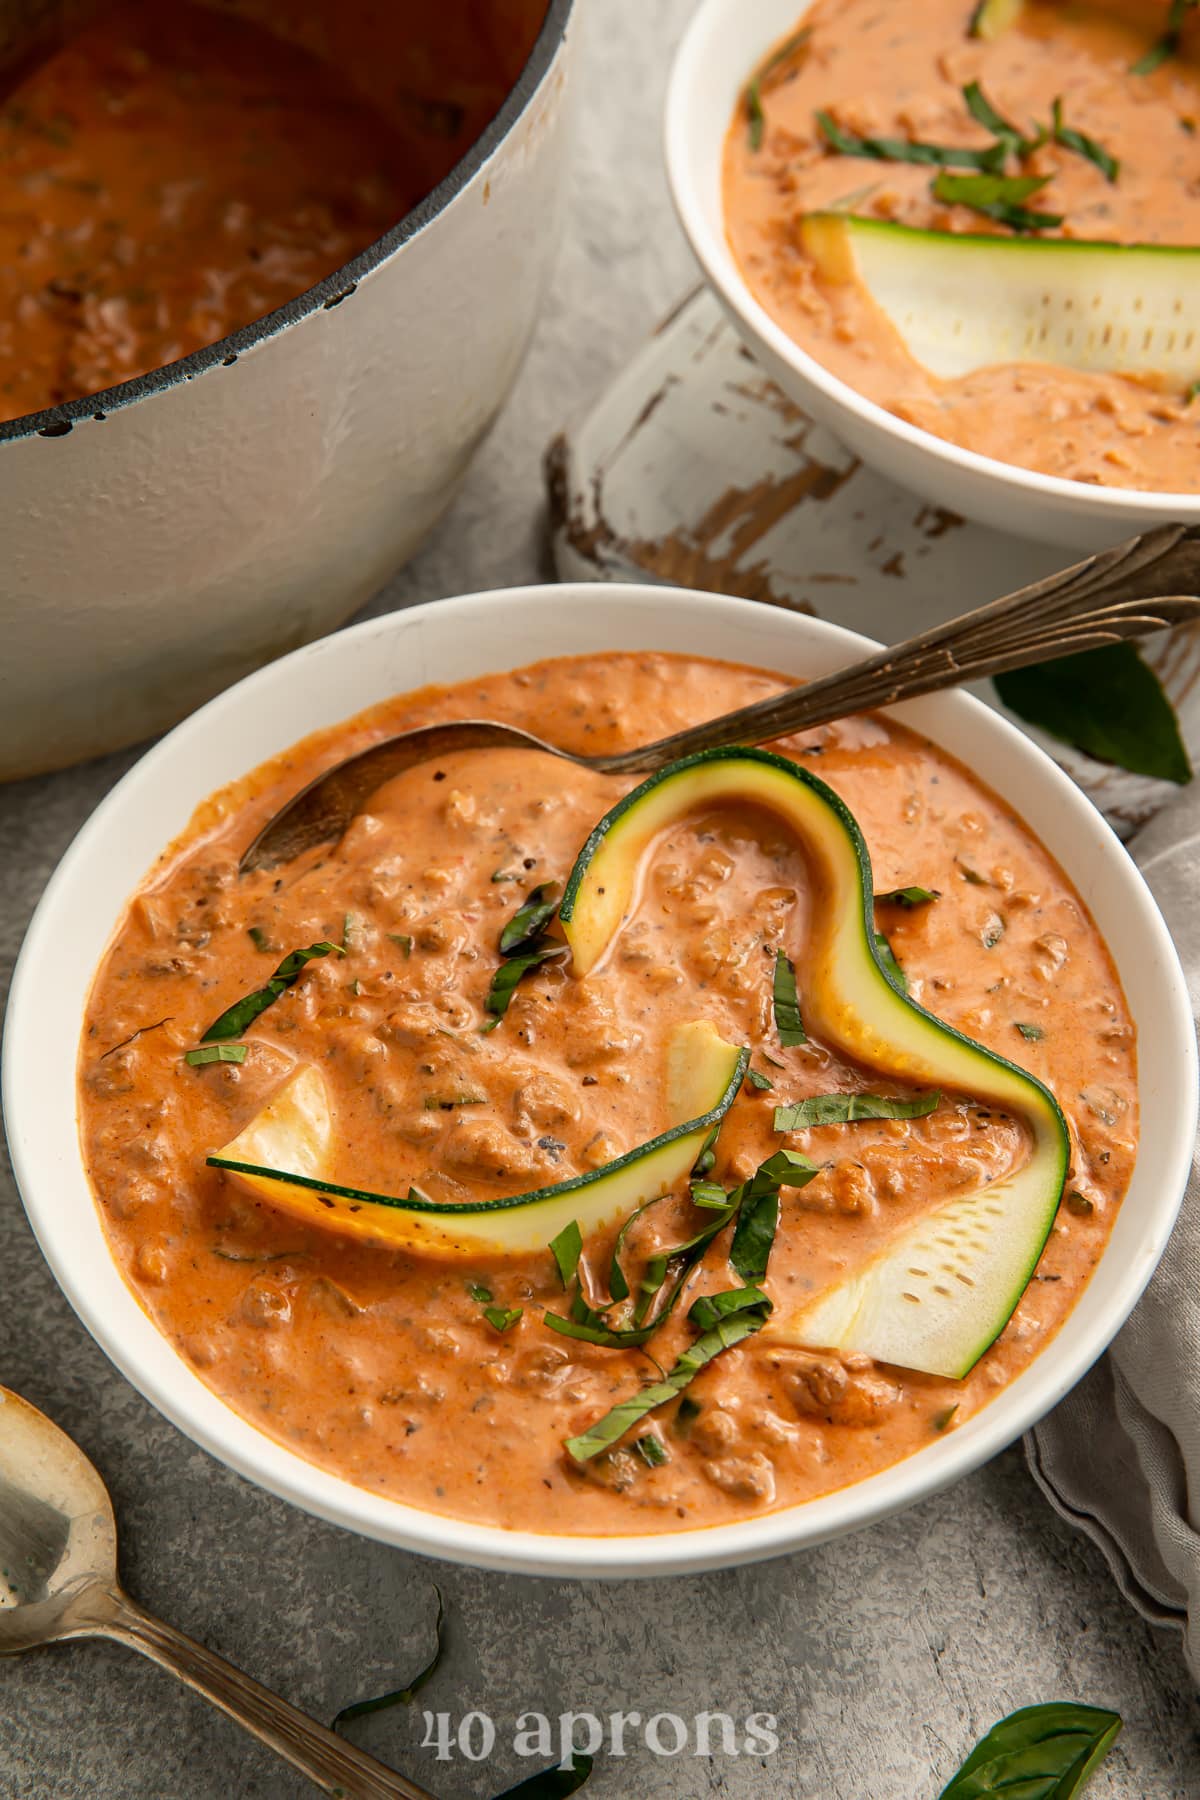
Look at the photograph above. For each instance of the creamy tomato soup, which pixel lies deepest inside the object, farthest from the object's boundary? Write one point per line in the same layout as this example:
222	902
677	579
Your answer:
173	172
432	1376
881	69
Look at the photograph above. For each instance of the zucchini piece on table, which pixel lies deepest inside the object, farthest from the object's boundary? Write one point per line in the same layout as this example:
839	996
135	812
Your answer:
965	300
284	1154
944	1288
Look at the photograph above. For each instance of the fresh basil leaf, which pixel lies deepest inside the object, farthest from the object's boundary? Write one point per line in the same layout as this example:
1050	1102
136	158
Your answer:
1078	141
401	1696
891	967
234	1020
525	926
480	1294
1030	1032
686	1414
942	1420
998	197
847	1109
349	930
907	897
627	1413
1106	702
754	1235
507	976
985	114
1168	43
762	1082
848	143
566	1249
552	1784
709	1310
1039	1753
789	1025
216	1053
707	1194
652	1450
755	116
259	938
502	1318
403	939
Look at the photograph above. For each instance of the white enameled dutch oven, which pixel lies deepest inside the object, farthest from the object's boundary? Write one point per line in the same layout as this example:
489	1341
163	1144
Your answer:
454	640
167	536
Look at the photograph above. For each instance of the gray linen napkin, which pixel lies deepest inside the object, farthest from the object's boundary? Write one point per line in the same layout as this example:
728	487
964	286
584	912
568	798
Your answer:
1120	1457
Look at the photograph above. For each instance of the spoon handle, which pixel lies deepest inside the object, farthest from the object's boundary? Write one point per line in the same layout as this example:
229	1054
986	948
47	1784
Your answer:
330	1763
1138	587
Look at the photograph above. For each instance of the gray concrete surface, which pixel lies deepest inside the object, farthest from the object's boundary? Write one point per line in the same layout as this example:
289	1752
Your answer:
884	1656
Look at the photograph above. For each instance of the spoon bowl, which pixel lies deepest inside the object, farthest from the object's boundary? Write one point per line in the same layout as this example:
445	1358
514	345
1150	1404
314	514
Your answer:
58	1579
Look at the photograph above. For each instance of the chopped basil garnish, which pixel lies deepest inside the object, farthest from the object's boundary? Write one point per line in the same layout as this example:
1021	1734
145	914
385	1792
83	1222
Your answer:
710	1309
525	926
510	972
754	1234
708	1193
891	967
909	150
755	116
507	875
999	197
566	1249
789	1026
848	1109
982	110
1079	1204
242	1013
613	1426
1048	1750
652	1450
259	938
405	1695
1070	139
1168	43
403	939
502	1318
481	1295
349	930
1031	1032
942	1419
686	1414
907	897
447	1102
216	1053
993	931
762	1082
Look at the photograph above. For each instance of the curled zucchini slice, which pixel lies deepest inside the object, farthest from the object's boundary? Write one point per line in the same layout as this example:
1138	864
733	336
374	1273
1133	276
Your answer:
283	1155
943	1289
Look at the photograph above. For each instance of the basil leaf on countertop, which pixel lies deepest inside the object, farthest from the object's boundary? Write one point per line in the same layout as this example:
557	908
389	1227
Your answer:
788	1023
847	1109
1038	1753
401	1696
552	1784
525	926
234	1020
1107	702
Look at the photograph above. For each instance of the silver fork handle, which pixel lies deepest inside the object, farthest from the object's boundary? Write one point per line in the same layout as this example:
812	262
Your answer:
331	1764
1142	586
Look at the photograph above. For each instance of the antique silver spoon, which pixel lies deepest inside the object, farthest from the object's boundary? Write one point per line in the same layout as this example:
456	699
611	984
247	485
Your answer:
58	1579
1140	586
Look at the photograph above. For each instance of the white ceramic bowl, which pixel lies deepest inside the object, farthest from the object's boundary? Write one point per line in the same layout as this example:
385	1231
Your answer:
165	537
452	640
726	40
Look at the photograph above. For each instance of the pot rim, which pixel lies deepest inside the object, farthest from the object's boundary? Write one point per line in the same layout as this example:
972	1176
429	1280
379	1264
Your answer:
59	421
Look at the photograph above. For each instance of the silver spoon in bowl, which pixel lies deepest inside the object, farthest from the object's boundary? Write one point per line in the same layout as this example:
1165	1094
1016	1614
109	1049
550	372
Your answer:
1143	585
58	1580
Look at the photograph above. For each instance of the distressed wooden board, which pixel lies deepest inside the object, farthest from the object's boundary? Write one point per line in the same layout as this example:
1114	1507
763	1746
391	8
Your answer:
693	468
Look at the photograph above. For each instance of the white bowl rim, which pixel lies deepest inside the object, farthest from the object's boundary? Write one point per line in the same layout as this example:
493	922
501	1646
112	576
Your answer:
332	289
721	269
171	1385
